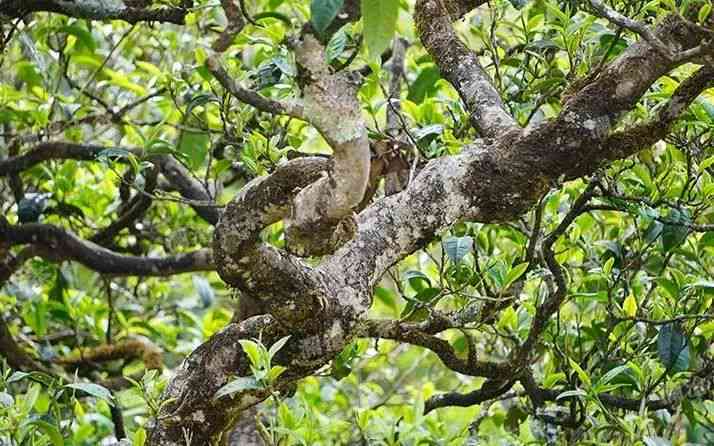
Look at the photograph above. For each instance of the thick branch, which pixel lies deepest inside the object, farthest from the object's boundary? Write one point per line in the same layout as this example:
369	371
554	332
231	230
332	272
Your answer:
322	214
629	141
487	183
96	10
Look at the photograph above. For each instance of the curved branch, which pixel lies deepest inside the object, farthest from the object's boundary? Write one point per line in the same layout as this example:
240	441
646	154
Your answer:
265	273
411	334
489	390
188	186
56	244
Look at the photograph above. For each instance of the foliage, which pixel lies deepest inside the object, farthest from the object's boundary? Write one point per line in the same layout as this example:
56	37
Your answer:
637	321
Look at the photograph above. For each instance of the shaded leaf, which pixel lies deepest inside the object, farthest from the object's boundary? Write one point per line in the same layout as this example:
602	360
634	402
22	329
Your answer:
457	247
673	348
237	385
94	390
323	12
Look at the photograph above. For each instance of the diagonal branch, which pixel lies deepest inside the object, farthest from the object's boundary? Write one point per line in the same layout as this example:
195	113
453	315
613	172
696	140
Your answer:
627	142
604	11
460	66
251	97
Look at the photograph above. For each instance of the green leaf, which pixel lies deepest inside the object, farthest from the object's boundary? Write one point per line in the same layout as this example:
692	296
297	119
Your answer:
194	145
704	12
17	376
571	393
584	377
83	36
417	280
336	45
49	430
139	437
607	267
427	295
673	348
380	22
457	247
514	274
612	374
275	372
675	230
323	12
252	350
629	306
94	390
237	385
424	85
279	344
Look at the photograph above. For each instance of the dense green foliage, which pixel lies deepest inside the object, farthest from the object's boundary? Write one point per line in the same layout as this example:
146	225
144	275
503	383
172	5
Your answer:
638	258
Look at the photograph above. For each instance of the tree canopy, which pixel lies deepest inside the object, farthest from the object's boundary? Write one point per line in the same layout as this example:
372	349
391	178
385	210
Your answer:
377	222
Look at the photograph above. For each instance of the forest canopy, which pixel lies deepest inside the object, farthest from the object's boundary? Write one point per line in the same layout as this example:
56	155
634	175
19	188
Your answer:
363	222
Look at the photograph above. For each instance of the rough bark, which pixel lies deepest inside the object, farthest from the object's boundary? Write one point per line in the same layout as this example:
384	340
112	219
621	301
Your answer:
488	182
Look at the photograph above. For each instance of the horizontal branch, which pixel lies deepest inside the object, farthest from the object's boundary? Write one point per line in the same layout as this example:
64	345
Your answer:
47	151
147	351
411	334
56	244
489	390
96	10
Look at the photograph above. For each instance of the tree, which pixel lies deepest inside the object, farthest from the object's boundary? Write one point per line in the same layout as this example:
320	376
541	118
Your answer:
515	197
